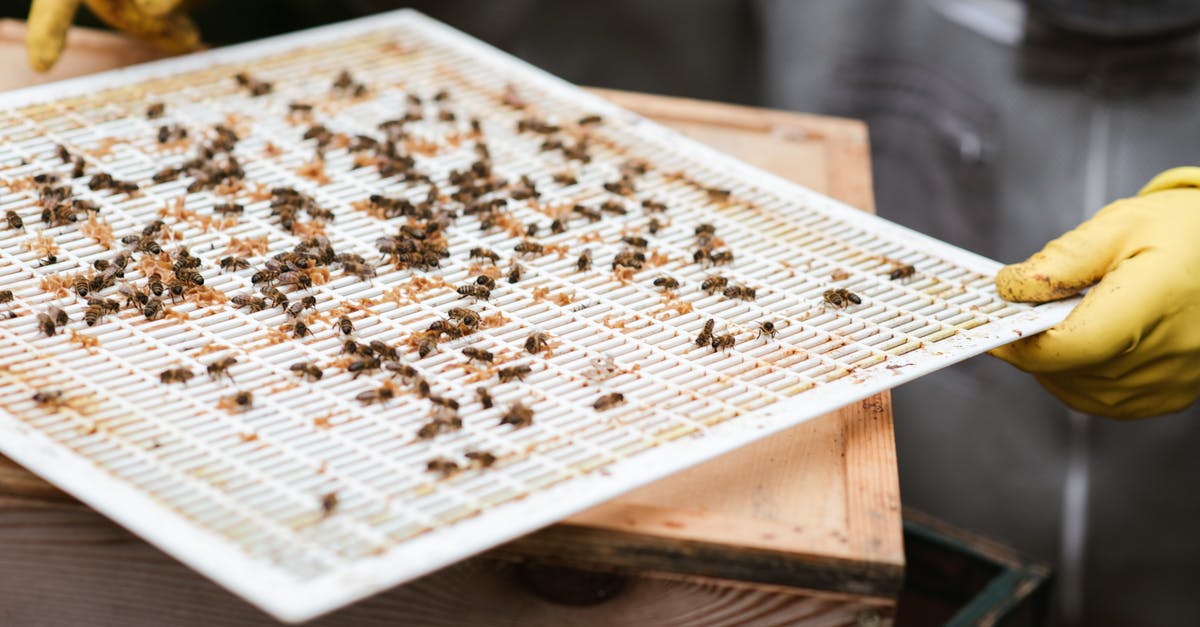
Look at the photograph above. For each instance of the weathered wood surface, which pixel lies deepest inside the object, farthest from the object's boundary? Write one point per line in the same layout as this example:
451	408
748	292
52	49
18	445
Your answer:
815	510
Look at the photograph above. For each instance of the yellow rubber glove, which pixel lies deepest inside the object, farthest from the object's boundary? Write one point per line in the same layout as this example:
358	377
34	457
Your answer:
161	24
1131	349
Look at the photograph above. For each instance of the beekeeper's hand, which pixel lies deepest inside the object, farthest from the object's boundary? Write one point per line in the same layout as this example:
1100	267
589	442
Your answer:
162	23
1131	349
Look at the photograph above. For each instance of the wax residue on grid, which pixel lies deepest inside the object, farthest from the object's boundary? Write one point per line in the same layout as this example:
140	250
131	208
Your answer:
347	461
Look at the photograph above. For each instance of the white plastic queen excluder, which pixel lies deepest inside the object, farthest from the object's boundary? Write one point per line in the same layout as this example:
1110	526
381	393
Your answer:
308	497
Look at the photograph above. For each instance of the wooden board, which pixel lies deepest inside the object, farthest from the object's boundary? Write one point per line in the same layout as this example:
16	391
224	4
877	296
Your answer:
806	523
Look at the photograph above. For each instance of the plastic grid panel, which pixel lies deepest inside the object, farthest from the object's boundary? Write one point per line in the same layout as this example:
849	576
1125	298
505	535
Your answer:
251	483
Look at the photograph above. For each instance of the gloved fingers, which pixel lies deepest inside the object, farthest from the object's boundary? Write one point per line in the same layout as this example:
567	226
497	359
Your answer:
172	33
1072	262
46	33
1111	320
1120	399
1175	178
158	8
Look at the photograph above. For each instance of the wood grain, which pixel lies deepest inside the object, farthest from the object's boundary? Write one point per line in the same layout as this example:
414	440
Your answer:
806	516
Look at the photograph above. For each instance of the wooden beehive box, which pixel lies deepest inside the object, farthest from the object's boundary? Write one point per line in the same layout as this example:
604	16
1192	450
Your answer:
804	526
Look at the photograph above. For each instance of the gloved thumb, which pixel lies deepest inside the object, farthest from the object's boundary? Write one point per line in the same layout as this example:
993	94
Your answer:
1072	262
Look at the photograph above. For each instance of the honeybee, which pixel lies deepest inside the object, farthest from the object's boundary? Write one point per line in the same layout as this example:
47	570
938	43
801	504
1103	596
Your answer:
243	400
654	226
723	342
480	459
81	285
276	297
629	259
155	110
295	309
717	195
841	298
475	291
537	342
427	343
176	287
528	247
329	503
346	326
714	283
584	262
189	276
383	350
635	241
6	296
486	281
721	257
484	397
14	220
903	272
705	230
294	278
155	284
46	324
264	276
608	401
706	334
253	303
518	415
478	354
513	372
465	316
48	398
591	214
613	207
767	328
307	370
484	253
404	371
740	292
443	402
442	465
228	209
666	283
589	120
176	375
220	368
382	394
58	315
360	270
233	263
153	309
363	364
300	330
515	273
97	308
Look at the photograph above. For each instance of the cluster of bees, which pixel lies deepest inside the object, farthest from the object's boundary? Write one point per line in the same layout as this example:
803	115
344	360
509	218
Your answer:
420	242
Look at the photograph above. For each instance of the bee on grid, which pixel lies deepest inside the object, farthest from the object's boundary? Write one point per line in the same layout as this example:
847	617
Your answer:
705	336
768	329
666	283
308	370
740	292
537	342
608	401
478	354
220	368
176	375
902	272
518	415
714	283
345	325
480	459
98	308
513	373
841	298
